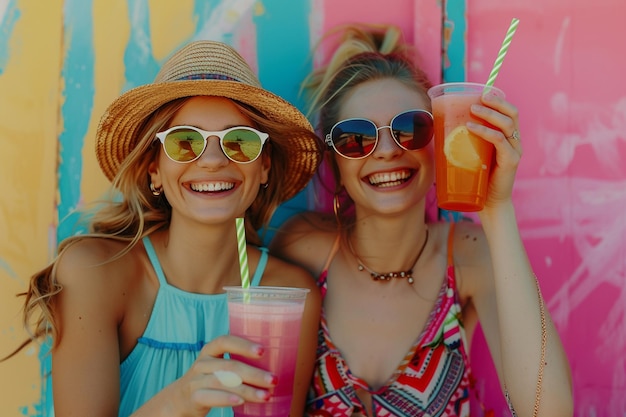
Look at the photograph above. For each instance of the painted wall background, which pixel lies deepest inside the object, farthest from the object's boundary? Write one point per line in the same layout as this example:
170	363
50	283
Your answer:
63	61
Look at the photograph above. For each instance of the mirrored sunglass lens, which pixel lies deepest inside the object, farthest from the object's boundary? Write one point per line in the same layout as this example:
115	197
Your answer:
413	129
242	145
184	144
354	138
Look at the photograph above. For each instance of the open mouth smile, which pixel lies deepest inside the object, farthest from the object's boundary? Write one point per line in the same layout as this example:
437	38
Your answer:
390	179
212	187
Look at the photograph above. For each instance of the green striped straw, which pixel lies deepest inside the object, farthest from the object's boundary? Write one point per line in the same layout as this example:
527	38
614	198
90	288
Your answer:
243	253
503	49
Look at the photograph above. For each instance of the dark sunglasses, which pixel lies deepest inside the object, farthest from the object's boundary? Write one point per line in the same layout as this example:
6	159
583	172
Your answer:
357	138
241	144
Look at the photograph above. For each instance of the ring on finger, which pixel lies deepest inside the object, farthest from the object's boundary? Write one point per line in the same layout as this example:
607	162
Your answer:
228	379
514	135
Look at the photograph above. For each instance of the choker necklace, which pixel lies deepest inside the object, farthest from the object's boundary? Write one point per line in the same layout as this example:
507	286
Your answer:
408	274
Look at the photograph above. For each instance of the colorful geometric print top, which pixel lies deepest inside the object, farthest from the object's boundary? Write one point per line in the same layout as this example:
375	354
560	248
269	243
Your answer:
432	380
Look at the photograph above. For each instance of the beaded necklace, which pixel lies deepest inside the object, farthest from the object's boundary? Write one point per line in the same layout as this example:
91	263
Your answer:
387	276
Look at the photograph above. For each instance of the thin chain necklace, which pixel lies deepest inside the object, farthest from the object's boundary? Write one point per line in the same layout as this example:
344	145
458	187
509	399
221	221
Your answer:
387	276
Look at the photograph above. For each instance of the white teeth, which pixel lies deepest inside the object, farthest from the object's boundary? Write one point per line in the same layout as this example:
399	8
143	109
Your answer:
389	179
212	186
389	184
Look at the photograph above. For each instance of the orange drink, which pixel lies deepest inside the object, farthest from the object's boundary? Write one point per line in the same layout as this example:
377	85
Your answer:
462	160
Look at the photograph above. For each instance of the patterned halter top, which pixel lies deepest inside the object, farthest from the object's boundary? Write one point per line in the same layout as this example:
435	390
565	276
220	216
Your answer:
432	380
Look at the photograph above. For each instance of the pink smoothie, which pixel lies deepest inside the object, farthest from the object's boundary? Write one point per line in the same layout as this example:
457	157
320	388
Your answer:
276	326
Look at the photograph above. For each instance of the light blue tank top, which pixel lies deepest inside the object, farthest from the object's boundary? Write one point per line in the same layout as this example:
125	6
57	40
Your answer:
180	324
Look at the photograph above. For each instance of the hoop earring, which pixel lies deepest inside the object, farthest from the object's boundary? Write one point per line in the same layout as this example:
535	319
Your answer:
155	191
337	208
267	184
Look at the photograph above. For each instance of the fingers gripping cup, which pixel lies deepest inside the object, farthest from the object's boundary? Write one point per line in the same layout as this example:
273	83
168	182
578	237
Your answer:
462	160
270	316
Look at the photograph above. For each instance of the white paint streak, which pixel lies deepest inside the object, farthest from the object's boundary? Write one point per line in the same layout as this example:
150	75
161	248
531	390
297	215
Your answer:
575	127
558	53
137	15
589	214
548	261
224	18
316	27
4	5
610	194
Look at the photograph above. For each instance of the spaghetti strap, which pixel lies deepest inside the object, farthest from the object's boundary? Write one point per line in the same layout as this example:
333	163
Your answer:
450	244
332	253
154	260
260	268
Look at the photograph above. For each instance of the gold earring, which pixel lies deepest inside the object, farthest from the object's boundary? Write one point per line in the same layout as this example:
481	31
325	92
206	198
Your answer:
337	208
155	191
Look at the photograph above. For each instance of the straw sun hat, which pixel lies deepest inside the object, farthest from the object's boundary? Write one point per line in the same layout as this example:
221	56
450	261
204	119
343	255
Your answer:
213	69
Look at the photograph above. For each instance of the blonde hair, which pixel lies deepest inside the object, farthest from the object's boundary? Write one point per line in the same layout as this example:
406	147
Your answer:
365	52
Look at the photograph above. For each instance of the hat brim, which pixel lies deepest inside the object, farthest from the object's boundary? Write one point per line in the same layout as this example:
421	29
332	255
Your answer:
117	132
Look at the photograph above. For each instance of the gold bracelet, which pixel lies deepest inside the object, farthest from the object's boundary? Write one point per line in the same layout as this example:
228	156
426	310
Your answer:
544	341
542	359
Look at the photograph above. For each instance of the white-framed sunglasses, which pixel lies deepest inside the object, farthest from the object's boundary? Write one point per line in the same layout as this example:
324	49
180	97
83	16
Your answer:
240	144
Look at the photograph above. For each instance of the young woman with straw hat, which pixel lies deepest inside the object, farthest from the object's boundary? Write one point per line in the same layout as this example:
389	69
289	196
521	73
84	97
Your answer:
402	295
135	307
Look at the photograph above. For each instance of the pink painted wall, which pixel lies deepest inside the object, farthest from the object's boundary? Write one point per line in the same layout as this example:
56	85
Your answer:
567	78
565	72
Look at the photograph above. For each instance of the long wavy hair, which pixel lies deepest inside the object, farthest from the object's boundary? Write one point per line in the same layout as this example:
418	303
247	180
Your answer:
130	211
364	52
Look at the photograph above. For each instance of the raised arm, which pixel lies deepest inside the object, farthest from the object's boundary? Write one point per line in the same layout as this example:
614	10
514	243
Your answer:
507	297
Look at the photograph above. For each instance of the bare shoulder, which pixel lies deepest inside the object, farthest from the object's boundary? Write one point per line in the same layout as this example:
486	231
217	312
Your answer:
279	272
93	256
470	244
98	288
306	239
92	272
472	259
308	222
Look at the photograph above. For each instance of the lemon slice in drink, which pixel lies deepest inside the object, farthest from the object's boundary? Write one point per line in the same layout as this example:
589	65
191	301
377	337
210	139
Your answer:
460	148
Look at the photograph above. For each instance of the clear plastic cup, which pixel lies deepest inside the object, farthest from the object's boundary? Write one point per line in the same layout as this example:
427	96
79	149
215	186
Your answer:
463	160
270	316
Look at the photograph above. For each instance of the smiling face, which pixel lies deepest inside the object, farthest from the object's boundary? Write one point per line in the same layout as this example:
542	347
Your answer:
391	179
211	188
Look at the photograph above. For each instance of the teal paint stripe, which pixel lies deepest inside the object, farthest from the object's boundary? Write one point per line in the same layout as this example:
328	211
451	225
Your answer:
78	76
45	408
455	52
284	47
4	265
139	62
78	93
9	17
283	55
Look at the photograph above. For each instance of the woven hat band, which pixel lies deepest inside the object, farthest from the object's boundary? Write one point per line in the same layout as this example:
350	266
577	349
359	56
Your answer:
206	77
